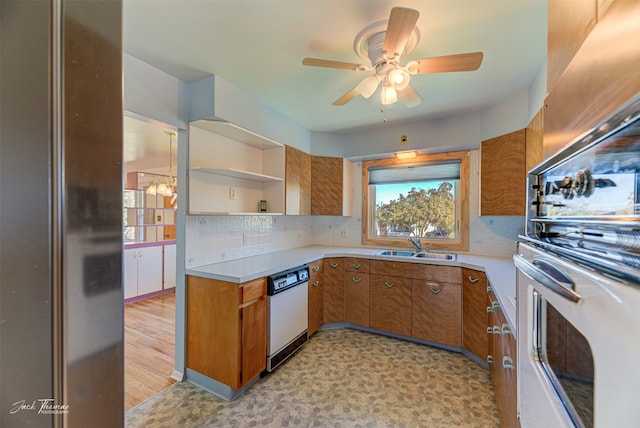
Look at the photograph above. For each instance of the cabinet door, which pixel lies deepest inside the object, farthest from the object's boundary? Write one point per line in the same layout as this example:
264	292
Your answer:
333	290
316	306
254	340
474	312
502	175
149	270
330	186
509	415
169	266
436	309
297	182
356	298
130	273
390	304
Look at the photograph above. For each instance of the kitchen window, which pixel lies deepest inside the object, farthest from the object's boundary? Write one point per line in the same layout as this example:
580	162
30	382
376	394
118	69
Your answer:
426	196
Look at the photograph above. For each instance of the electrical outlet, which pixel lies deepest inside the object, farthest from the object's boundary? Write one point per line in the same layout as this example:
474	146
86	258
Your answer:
232	193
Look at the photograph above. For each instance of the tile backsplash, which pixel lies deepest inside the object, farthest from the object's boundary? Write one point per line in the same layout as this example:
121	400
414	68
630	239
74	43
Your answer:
213	239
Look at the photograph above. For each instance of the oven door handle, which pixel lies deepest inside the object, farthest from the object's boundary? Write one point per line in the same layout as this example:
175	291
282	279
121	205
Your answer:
539	272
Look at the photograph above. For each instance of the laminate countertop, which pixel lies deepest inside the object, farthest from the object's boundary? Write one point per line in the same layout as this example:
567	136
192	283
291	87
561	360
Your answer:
500	271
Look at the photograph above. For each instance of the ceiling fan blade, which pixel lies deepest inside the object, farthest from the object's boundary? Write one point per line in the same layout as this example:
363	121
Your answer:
448	63
316	62
368	86
347	97
409	97
401	23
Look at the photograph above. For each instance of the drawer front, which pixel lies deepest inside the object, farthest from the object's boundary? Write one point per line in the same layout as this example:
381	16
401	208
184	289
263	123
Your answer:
254	290
352	264
450	274
397	269
315	268
475	277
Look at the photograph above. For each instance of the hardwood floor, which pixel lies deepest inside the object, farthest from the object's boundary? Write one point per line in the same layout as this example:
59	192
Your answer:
149	336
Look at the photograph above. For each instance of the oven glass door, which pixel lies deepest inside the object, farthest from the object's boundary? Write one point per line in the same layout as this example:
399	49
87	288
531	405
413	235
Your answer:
601	181
566	360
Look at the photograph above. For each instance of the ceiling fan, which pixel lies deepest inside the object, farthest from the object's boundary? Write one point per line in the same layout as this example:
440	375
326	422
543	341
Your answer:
382	45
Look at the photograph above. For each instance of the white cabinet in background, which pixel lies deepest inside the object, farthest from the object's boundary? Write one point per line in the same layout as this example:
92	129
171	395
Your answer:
232	169
169	266
142	271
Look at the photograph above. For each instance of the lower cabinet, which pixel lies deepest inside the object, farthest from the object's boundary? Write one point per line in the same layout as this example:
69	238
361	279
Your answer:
436	312
333	290
390	304
227	329
474	312
169	271
356	298
502	363
316	296
142	271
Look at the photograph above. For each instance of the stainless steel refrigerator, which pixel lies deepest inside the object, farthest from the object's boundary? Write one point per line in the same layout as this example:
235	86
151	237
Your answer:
61	309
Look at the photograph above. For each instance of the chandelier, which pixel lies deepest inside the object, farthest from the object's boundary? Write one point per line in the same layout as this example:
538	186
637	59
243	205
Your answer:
166	186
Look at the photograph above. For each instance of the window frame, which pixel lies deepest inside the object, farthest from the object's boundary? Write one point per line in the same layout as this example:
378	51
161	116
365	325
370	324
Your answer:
461	243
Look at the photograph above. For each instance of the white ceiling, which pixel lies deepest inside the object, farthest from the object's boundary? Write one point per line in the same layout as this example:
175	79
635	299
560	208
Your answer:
258	45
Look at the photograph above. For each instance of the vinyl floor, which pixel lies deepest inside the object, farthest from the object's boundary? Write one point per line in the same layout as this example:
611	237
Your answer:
341	378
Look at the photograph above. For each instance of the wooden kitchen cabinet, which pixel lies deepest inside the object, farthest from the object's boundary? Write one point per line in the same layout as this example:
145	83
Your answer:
503	175
356	298
316	296
390	304
474	312
436	312
297	182
356	291
226	329
503	363
333	290
592	66
331	186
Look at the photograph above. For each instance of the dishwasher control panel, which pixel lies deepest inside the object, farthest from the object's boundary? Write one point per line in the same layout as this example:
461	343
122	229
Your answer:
287	279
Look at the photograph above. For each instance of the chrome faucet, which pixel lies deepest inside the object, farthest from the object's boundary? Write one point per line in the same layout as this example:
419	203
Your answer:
416	242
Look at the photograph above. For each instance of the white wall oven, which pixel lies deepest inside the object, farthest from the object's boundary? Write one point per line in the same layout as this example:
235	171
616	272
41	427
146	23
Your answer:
579	282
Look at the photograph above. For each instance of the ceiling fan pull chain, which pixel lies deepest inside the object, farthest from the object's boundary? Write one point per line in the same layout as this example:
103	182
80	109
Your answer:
384	118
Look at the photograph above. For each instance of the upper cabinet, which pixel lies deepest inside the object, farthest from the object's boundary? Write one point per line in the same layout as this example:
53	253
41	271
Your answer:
504	162
593	57
502	175
331	186
297	182
234	171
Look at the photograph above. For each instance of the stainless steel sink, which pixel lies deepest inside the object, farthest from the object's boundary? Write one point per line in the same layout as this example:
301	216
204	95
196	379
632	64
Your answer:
397	253
436	256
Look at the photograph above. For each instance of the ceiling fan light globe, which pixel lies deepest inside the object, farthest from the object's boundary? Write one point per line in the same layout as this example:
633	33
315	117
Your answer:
368	86
399	78
413	66
388	95
152	189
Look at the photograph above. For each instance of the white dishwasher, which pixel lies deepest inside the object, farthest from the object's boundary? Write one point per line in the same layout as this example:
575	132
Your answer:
287	320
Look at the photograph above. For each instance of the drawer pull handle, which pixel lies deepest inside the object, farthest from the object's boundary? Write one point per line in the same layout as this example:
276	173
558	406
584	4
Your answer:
472	279
333	265
495	305
506	329
507	362
356	280
489	309
489	289
315	283
356	265
489	330
389	284
490	359
496	329
316	268
435	290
